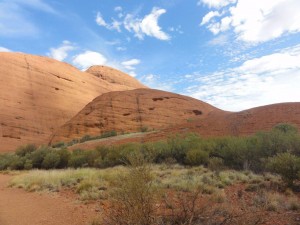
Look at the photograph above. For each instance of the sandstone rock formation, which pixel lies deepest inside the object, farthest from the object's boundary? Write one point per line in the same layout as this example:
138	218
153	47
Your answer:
38	95
132	111
114	76
247	122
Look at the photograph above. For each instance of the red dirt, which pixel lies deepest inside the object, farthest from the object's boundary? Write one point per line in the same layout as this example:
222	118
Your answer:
18	207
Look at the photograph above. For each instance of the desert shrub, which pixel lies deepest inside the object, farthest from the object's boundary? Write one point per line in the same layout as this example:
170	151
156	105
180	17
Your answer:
134	200
286	128
64	156
109	134
286	165
37	157
24	150
196	157
51	160
59	145
28	164
215	163
17	163
85	138
78	159
5	161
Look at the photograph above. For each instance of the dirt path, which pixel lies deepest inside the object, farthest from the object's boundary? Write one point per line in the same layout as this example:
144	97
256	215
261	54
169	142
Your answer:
18	207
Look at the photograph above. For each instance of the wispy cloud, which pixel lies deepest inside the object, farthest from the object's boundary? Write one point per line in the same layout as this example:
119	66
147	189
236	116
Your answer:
130	66
254	21
2	49
141	27
61	52
14	19
155	82
269	79
216	3
147	26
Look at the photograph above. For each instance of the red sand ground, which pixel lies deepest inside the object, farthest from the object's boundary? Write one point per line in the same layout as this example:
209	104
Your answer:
18	207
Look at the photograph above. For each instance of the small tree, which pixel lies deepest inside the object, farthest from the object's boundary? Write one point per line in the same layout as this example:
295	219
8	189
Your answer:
286	165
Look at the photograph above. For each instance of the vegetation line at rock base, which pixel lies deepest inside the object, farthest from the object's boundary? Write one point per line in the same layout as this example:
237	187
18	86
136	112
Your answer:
276	151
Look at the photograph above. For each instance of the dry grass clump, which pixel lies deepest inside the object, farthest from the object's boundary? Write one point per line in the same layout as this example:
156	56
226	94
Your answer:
88	183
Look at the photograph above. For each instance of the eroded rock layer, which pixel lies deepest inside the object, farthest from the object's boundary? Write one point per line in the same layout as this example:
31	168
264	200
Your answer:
38	95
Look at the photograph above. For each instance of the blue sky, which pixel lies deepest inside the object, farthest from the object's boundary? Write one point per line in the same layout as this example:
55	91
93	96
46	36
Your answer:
234	54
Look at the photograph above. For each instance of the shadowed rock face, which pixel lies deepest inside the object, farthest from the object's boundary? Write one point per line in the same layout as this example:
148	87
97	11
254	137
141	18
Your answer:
131	111
38	95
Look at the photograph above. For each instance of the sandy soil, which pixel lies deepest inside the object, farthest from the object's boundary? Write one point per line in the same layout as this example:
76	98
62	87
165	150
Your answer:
18	207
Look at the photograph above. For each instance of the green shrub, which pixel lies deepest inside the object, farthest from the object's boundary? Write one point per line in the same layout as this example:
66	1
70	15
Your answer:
51	160
215	164
64	155
286	165
196	157
59	145
78	159
37	157
133	202
24	150
28	164
17	163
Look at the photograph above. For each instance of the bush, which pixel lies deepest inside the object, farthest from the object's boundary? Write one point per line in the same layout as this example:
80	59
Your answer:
28	164
196	157
216	164
24	150
286	165
64	155
59	145
37	157
78	159
51	160
134	201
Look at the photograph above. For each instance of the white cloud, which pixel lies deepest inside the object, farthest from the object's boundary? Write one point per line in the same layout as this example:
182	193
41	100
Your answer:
61	52
2	49
269	79
100	21
121	48
219	40
216	3
258	21
114	25
154	81
88	59
146	26
118	8
131	63
207	18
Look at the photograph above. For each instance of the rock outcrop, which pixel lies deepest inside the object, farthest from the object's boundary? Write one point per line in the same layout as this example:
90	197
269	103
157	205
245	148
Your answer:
246	122
132	111
114	76
38	95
